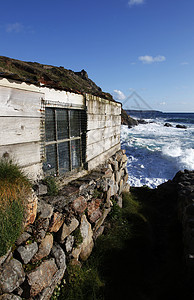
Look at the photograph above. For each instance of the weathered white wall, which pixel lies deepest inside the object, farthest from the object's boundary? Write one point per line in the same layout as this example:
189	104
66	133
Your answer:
22	124
21	121
103	129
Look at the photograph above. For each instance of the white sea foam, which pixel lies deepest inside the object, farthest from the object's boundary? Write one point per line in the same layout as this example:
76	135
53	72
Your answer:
155	152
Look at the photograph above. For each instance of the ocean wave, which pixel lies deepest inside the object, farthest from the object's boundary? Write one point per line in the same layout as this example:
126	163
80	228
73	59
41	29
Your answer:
155	153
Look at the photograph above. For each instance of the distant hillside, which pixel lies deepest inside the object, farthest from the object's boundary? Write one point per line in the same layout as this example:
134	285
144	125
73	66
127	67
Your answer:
50	76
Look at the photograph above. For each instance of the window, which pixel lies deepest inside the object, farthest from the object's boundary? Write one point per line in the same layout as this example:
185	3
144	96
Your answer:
65	132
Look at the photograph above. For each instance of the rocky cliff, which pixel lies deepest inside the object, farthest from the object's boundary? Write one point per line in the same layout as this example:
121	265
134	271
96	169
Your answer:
50	76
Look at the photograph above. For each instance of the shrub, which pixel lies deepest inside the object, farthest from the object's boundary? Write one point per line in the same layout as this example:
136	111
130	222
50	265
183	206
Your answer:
51	185
14	187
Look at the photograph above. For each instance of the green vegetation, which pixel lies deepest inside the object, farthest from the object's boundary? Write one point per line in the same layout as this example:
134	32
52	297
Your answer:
52	186
14	187
139	255
78	239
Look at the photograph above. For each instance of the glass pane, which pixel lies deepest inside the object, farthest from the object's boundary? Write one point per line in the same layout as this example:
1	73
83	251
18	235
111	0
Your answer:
75	154
50	166
63	150
62	124
75	123
50	124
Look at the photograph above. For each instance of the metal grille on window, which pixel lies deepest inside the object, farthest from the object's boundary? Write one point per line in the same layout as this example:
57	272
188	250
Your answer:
65	133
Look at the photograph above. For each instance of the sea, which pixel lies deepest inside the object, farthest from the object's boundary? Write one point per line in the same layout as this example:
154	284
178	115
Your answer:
156	152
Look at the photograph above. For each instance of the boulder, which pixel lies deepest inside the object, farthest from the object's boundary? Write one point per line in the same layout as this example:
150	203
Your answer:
44	209
41	277
23	238
44	248
10	297
27	252
60	260
69	243
56	222
12	276
31	209
94	212
87	233
181	126
79	204
168	125
68	229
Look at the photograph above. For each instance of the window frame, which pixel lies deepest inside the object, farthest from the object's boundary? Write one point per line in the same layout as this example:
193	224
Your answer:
58	141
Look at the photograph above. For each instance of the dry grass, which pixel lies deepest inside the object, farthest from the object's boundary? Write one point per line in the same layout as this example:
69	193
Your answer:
14	189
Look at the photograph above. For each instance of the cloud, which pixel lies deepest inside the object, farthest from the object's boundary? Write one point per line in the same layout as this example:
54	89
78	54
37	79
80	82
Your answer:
163	103
147	59
184	63
135	2
14	27
118	95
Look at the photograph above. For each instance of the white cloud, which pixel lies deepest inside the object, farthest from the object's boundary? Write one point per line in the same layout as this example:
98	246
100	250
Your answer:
119	95
147	59
135	2
184	63
14	27
163	103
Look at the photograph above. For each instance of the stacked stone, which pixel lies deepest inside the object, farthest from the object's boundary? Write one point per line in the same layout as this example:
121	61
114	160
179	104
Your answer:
62	230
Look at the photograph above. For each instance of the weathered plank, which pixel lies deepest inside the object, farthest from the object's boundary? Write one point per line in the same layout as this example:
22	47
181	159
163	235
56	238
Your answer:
18	102
104	107
96	149
96	121
98	135
14	130
23	154
103	157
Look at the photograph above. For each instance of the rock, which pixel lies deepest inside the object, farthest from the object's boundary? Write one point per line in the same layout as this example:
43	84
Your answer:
87	233
124	158
69	243
168	125
102	218
98	232
10	297
181	126
27	252
94	212
42	189
60	259
56	222
4	257
44	248
68	229
79	204
23	238
31	209
59	256
125	178
12	276
45	209
41	277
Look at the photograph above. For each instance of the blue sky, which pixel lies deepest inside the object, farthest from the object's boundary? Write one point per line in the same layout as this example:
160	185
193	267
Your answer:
124	45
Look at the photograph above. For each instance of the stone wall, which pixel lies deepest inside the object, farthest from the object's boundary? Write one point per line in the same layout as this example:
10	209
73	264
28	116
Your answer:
63	232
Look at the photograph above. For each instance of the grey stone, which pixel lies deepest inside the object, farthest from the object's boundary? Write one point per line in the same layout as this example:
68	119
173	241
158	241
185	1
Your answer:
27	252
42	189
59	256
4	257
68	229
12	276
10	297
44	248
41	277
69	243
23	238
45	209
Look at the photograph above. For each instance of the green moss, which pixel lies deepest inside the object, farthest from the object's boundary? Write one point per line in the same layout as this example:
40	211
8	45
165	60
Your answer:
78	239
